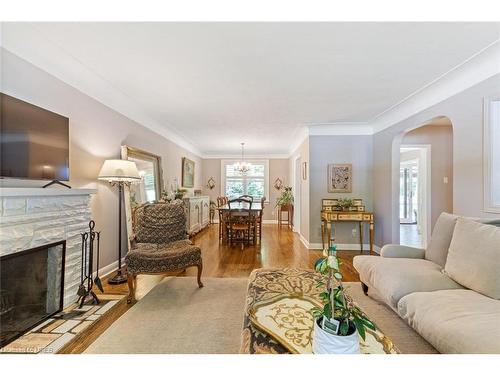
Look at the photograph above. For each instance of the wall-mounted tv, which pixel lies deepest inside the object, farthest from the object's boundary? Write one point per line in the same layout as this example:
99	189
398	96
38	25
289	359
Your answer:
34	142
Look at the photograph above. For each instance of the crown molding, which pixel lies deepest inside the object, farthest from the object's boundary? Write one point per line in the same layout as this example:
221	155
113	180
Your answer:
300	136
478	68
341	128
247	157
30	44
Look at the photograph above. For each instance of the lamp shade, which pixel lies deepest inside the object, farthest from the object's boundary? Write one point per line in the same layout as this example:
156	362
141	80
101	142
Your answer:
115	170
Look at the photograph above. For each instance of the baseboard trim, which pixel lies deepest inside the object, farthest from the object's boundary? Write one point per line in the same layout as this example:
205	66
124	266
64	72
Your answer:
304	241
109	269
272	221
342	246
268	221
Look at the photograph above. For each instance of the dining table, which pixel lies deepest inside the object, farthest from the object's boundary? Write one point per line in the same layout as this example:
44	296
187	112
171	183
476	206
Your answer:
255	211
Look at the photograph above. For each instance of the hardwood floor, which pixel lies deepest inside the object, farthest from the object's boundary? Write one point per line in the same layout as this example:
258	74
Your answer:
280	248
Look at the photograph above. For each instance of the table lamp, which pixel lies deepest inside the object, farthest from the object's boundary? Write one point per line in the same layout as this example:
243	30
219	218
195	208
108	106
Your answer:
119	172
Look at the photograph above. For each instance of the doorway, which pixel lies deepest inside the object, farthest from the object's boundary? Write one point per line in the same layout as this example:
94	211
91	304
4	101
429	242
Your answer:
296	194
414	195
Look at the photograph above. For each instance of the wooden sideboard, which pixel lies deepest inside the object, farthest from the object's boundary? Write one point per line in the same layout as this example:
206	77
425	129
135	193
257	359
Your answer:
329	218
198	213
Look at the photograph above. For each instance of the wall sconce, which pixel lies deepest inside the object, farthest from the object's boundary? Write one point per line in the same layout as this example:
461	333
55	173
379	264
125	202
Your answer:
278	184
211	183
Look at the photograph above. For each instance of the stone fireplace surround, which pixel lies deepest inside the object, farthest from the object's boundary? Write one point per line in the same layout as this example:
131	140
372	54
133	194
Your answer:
31	217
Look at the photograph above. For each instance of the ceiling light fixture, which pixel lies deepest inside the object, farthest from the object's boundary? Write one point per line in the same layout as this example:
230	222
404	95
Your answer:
242	166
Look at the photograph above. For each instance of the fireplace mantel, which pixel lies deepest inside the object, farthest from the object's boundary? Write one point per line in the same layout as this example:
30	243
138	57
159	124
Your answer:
32	217
35	192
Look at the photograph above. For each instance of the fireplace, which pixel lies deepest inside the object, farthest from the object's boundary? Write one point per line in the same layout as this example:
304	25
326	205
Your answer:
31	288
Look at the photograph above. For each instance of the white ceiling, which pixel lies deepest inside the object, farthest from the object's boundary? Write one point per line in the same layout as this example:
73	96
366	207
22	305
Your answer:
219	84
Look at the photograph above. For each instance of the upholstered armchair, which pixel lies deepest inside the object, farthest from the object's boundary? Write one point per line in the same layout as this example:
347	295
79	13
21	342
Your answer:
160	243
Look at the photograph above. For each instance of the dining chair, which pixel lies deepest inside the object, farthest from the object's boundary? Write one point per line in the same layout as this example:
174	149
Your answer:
239	220
246	196
221	202
259	218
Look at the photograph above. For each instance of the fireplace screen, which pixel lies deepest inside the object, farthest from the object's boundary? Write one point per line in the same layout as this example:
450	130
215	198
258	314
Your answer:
31	288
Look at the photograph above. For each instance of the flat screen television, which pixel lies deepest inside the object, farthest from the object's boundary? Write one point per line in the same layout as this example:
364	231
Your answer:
34	142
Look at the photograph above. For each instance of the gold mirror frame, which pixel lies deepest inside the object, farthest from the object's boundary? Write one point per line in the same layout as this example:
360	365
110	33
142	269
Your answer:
126	153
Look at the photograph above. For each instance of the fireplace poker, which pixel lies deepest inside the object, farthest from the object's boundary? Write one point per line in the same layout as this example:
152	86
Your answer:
97	280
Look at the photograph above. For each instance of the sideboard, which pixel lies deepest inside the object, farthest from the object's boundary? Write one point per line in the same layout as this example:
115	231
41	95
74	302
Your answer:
198	213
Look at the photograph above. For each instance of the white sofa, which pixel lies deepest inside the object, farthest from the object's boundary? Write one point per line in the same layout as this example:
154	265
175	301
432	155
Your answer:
450	292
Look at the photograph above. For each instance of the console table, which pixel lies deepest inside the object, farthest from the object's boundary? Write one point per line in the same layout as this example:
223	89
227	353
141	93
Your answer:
328	218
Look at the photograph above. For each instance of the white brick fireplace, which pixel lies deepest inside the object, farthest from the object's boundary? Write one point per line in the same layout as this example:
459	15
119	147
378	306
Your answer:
31	217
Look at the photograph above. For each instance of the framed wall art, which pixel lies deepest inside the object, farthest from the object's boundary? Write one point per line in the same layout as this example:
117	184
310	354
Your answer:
187	173
339	178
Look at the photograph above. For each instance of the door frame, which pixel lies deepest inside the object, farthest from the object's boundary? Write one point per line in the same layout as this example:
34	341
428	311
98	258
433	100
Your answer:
297	204
425	188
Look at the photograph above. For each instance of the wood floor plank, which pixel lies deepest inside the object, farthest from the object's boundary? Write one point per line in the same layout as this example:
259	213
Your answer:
280	248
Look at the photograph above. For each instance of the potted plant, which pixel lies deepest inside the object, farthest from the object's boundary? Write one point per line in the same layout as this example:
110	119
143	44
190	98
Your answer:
180	192
345	203
285	200
340	323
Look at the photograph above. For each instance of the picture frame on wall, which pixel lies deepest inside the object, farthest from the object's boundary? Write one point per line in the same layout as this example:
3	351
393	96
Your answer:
340	178
187	173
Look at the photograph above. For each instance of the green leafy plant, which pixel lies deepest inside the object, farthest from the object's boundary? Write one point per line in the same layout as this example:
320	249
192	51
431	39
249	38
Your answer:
336	303
179	194
286	197
165	196
345	203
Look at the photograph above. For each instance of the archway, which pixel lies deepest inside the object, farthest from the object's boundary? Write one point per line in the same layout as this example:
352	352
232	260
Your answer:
433	140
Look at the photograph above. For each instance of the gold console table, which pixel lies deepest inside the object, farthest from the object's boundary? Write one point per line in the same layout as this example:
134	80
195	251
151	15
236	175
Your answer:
328	217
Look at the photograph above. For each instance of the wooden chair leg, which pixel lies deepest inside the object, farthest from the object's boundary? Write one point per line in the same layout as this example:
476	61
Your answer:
132	282
200	268
365	288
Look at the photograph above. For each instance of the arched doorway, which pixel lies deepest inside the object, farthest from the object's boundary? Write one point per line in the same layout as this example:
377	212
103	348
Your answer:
422	180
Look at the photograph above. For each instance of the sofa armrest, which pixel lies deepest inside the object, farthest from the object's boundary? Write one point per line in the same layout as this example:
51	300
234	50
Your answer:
401	251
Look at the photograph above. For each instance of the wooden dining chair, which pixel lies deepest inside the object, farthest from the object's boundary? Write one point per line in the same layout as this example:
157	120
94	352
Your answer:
246	196
239	220
259	218
221	202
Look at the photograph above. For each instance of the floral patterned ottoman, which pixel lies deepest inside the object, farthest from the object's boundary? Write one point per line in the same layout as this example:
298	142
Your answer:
268	284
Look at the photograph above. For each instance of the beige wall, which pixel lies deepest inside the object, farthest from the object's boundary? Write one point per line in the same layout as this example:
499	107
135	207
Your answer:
277	168
303	152
465	111
340	149
441	140
96	134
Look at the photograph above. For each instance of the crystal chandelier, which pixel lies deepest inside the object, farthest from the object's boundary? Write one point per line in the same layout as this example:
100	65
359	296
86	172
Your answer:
242	166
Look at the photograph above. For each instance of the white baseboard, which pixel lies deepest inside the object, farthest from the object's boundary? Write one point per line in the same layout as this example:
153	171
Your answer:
272	221
342	246
304	241
110	268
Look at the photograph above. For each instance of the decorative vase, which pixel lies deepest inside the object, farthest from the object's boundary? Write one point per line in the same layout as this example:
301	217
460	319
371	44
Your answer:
328	343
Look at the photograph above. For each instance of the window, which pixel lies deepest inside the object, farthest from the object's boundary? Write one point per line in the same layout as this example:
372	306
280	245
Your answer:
492	154
255	182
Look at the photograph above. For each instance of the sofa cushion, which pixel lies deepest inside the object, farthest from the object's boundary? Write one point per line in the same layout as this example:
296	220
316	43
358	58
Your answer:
454	321
437	250
474	257
394	278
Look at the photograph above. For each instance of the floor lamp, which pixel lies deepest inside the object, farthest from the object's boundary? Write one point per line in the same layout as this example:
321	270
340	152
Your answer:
119	172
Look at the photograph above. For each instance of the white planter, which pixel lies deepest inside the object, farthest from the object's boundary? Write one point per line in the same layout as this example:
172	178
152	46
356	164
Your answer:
328	343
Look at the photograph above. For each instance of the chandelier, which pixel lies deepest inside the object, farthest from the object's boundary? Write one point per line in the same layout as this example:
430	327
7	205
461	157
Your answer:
242	166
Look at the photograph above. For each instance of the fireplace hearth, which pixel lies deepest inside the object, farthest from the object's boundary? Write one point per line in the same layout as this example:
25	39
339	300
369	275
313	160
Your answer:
31	288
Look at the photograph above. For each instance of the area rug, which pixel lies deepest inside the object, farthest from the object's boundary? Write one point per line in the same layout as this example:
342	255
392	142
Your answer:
177	317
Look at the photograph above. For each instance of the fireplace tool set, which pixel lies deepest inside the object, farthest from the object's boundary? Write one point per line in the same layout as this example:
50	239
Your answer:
86	281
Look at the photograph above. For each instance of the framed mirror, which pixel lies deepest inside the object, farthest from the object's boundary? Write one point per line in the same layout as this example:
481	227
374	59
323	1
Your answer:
149	189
